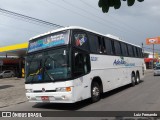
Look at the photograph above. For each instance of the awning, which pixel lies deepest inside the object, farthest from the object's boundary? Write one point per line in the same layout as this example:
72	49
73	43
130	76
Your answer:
14	50
150	59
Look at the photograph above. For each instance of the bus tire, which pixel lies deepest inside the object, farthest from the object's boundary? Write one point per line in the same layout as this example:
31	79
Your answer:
95	92
133	80
137	78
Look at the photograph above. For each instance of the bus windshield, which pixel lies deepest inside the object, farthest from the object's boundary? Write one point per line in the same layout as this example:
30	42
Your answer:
48	66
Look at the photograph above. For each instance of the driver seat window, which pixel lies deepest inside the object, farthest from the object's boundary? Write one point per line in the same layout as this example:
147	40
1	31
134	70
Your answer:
81	64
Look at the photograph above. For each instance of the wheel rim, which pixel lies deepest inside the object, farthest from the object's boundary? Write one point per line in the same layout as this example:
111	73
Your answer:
95	92
138	79
133	79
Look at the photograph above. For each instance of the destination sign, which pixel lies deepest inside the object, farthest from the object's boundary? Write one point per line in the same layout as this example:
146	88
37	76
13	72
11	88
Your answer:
49	41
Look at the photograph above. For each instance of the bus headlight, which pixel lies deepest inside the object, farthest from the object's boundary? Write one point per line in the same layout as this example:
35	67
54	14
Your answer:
64	89
29	90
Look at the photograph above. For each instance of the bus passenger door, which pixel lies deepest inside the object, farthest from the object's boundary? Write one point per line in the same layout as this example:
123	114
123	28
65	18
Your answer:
81	68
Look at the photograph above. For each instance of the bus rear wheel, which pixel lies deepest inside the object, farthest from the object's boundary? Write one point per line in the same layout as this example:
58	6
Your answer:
95	92
133	80
137	78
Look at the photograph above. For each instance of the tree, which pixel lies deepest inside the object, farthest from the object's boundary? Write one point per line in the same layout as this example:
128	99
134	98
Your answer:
106	4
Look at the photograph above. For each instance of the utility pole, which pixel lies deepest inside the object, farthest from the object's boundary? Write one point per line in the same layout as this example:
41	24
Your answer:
142	49
153	55
153	41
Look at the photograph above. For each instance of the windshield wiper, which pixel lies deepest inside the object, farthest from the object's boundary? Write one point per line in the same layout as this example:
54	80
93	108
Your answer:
34	74
44	68
51	78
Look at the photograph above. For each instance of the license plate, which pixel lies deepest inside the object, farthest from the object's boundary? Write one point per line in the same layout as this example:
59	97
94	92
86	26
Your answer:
45	98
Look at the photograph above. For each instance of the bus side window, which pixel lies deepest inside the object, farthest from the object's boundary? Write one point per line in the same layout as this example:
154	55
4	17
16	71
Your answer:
139	54
108	46
100	44
130	51
113	47
117	48
135	51
94	43
124	49
103	46
81	64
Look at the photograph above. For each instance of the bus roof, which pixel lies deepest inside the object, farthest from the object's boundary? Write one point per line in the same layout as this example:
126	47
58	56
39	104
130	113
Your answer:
81	28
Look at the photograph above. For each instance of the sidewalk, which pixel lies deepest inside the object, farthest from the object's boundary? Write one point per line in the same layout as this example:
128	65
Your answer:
149	71
12	91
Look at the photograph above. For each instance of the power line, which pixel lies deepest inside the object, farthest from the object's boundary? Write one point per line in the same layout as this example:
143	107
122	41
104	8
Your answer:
17	28
85	16
25	17
125	25
110	23
96	16
91	6
53	3
28	21
86	11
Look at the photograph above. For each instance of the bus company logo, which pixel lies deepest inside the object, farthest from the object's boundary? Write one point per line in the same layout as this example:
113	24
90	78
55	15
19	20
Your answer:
119	62
123	62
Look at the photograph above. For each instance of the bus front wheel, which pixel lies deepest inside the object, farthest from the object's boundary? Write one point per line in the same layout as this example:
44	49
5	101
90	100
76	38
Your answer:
95	92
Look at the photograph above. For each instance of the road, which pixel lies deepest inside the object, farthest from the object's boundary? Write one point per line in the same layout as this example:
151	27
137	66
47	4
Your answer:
142	97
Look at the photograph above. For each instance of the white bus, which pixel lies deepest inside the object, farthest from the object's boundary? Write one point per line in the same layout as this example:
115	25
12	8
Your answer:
71	64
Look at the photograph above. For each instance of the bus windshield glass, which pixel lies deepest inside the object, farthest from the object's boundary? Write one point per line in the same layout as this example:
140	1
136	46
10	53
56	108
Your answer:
52	40
48	66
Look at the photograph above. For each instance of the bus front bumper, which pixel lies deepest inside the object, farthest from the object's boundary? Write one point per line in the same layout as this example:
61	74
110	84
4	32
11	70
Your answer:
56	97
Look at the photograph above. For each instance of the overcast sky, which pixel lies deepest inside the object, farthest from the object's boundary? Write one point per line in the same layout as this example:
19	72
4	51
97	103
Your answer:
132	24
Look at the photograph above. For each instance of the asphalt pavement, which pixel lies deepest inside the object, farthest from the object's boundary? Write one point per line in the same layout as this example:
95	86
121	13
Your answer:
12	91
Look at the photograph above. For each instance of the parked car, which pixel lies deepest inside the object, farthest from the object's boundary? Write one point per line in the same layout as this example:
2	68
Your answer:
157	70
7	73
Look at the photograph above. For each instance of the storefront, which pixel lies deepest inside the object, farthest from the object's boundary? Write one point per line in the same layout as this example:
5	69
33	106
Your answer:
12	58
150	61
